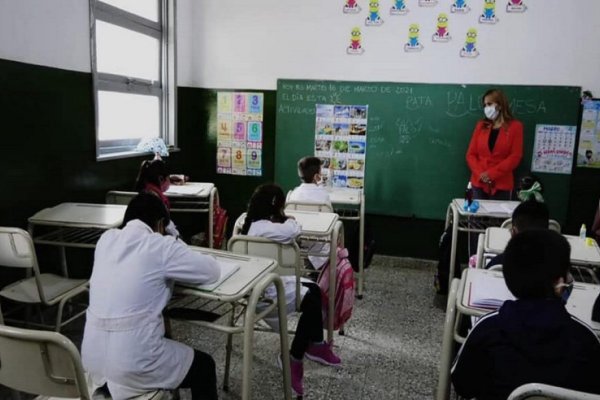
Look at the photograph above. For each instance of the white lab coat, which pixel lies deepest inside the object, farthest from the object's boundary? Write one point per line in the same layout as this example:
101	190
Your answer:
312	193
123	341
283	233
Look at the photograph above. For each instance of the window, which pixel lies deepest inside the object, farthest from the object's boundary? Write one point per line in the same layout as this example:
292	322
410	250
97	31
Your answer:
133	67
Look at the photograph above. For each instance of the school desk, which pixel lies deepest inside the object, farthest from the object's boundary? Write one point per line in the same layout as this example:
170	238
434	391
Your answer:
490	213
190	198
243	289
580	305
74	225
584	252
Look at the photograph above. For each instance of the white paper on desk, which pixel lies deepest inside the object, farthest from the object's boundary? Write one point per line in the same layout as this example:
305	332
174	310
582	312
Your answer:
498	208
228	268
488	292
184	189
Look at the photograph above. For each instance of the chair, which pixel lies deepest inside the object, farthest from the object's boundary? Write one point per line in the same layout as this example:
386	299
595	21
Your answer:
119	197
308	206
552	224
539	391
17	251
46	364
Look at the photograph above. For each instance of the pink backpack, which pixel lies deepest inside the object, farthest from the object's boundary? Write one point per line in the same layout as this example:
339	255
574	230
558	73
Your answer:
344	289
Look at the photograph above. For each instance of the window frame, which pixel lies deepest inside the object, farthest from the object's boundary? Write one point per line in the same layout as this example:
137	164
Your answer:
165	89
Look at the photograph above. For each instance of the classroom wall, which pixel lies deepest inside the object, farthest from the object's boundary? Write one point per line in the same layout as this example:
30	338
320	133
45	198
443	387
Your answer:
239	44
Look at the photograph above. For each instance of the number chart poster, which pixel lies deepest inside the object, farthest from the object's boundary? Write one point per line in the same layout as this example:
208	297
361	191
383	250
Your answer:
239	133
553	149
588	153
341	143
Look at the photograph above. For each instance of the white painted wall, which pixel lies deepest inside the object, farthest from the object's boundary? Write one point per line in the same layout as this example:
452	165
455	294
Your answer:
241	44
55	33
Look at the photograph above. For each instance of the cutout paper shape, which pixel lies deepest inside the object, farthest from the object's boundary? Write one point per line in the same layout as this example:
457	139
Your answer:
516	6
374	19
351	7
355	42
413	44
441	33
460	7
399	8
469	50
489	12
427	3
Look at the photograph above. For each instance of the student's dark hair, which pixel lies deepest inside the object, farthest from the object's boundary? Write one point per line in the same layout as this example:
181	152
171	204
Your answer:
533	262
148	208
500	98
530	214
267	202
151	171
308	167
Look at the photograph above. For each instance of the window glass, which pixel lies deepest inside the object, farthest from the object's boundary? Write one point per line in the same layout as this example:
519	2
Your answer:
127	116
125	52
144	8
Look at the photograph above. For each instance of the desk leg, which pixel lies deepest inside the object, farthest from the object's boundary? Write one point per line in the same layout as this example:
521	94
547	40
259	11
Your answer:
249	321
443	388
454	241
228	349
361	248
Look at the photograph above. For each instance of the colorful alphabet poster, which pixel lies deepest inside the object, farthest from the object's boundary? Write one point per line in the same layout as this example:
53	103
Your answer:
239	133
588	153
553	149
341	143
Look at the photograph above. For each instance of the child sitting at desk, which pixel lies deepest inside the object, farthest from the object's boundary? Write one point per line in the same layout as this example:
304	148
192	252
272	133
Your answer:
124	344
528	215
266	218
311	190
154	178
532	339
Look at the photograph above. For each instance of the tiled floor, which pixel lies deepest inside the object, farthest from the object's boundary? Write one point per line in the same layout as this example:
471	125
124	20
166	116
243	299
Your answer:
390	350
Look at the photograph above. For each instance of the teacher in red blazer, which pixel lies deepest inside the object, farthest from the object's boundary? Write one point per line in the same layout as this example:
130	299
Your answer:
495	150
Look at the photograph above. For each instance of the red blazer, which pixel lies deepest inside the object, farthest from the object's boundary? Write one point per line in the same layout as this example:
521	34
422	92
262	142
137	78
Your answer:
500	163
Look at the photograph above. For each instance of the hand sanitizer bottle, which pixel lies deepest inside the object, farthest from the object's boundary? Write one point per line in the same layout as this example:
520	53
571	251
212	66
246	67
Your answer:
582	232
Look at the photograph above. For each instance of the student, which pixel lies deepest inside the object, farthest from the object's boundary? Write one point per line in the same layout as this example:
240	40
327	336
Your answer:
311	189
153	177
530	188
528	215
533	338
495	150
266	218
124	344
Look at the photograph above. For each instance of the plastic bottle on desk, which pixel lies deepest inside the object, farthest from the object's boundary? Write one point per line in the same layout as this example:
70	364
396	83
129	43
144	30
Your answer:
469	195
582	232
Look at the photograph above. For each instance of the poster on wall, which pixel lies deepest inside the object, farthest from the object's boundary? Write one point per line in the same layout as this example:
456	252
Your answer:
588	151
553	149
239	133
341	143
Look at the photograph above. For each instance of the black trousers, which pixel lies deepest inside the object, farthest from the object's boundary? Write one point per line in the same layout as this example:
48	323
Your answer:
201	377
310	324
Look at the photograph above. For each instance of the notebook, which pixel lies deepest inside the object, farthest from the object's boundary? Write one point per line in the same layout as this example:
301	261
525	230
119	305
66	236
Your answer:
488	292
228	268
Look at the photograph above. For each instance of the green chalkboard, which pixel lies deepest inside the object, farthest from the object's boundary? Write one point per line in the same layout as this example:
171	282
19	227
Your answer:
417	137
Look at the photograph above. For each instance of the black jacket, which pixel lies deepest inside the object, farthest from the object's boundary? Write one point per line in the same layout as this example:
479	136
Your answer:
527	341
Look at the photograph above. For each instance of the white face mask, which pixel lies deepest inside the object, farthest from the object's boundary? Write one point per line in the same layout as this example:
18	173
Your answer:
490	112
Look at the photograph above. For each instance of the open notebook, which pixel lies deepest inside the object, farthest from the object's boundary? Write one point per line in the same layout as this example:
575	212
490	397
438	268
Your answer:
488	292
228	268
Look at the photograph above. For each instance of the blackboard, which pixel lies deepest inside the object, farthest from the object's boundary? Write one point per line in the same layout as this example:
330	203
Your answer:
417	137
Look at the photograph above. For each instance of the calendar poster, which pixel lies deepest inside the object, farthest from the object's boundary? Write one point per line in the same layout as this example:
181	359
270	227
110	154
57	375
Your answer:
553	149
341	143
239	133
588	152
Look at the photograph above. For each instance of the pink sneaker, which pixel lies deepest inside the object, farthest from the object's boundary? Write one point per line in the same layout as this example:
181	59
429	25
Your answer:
323	354
297	372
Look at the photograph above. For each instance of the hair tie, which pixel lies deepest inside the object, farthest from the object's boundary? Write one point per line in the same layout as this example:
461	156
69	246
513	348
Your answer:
534	191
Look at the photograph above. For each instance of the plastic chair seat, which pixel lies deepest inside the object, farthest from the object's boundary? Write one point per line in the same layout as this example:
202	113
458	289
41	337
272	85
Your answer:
55	288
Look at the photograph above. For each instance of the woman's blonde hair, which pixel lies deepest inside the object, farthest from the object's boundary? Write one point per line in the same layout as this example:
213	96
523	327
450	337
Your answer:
499	98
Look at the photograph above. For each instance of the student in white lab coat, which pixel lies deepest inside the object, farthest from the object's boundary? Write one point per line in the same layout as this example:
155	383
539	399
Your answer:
265	218
311	190
124	344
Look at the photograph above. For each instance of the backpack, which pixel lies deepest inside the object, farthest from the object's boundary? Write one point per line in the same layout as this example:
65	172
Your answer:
443	268
219	226
344	290
353	246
